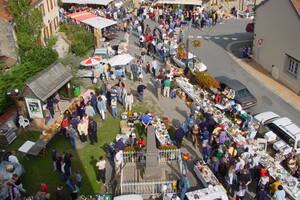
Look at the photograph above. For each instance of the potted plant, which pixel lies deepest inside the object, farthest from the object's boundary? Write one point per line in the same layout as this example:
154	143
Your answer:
206	81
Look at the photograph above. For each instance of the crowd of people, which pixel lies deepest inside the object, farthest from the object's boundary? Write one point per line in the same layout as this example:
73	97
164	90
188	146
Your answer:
232	163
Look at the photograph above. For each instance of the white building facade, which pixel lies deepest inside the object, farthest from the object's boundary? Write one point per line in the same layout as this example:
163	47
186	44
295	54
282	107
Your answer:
276	45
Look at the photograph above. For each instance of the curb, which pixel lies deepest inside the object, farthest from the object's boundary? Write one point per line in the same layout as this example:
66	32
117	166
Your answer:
268	86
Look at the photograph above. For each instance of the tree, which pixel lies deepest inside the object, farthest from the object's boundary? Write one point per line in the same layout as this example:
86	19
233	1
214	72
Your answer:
29	23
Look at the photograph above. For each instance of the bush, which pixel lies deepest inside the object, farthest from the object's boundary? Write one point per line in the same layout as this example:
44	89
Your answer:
81	40
41	56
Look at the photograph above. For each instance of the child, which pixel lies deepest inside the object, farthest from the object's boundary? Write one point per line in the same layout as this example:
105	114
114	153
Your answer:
140	77
78	178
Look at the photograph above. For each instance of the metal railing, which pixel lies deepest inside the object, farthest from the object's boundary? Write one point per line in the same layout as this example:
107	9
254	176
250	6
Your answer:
148	188
163	156
169	155
134	157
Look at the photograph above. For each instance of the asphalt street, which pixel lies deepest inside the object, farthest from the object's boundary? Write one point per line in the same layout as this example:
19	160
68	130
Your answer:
231	36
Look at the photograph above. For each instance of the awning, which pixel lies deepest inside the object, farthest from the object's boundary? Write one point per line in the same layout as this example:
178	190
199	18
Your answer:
180	2
95	2
99	22
79	16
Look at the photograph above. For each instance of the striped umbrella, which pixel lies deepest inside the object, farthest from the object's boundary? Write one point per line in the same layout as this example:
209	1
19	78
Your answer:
91	61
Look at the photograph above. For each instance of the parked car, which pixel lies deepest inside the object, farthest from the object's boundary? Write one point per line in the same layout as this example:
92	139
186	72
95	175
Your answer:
242	94
194	64
265	117
283	133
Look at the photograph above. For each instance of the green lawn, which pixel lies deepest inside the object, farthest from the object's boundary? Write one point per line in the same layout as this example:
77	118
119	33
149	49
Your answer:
40	169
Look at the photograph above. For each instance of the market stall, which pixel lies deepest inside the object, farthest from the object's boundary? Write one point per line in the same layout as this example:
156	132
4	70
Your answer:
209	193
87	2
290	184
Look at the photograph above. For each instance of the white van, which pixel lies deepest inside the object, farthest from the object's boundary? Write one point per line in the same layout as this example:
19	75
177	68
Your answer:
288	134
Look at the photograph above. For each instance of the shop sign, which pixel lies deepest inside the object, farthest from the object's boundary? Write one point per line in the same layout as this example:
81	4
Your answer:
34	107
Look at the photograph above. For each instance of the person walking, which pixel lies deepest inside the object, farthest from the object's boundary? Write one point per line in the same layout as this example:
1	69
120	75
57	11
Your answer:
128	101
206	152
184	185
140	91
94	101
72	133
154	66
167	86
118	160
134	70
114	108
92	131
261	194
54	158
101	170
89	110
101	104
195	135
279	194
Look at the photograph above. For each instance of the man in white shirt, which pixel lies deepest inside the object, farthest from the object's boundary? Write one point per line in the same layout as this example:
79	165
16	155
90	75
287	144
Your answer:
118	161
154	66
101	170
13	158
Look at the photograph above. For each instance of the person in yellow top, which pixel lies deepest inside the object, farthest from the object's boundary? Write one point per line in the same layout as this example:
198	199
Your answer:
232	151
274	186
83	130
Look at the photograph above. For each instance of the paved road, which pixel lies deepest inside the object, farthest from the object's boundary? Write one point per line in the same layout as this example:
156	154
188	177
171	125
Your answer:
231	36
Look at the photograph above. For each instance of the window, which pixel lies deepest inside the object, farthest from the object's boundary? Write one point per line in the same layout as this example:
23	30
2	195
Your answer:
48	5
293	66
42	9
281	134
50	26
51	4
46	33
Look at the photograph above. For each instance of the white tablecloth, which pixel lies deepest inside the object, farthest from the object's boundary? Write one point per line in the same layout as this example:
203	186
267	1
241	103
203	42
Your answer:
26	146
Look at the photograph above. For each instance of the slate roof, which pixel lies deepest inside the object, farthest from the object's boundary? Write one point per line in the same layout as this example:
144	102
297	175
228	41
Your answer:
295	3
49	81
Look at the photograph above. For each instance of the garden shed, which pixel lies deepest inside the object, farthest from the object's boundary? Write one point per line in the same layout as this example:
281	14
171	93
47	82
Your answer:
43	86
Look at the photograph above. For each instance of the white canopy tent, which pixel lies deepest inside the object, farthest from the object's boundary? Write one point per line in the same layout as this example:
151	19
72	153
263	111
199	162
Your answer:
96	2
180	2
99	22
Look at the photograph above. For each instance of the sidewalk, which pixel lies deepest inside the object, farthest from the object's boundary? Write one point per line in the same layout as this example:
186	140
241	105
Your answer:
276	87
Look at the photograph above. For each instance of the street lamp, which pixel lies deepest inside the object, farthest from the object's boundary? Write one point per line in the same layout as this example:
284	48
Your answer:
14	93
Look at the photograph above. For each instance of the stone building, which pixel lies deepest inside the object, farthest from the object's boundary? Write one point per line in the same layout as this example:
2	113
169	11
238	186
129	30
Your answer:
276	45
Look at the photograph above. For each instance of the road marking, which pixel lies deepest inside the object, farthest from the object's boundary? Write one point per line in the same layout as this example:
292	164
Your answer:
225	38
234	38
206	37
217	38
199	36
191	36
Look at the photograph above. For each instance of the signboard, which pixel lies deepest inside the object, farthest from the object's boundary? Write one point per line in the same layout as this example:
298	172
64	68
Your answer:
260	41
34	107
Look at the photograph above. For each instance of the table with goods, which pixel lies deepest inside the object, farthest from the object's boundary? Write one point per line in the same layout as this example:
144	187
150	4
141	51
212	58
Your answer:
290	184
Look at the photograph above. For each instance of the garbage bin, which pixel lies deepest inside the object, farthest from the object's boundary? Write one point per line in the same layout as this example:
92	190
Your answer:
76	91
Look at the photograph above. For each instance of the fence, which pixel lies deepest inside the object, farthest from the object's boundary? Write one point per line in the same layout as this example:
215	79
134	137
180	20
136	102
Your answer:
163	156
148	188
169	155
134	157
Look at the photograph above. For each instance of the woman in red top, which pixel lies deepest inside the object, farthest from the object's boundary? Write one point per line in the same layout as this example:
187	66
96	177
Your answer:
64	125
